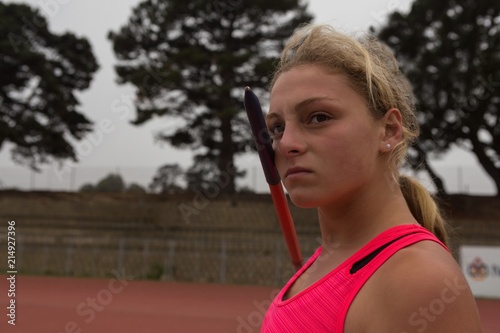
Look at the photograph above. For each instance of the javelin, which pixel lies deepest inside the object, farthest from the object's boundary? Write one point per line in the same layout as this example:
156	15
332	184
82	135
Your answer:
266	154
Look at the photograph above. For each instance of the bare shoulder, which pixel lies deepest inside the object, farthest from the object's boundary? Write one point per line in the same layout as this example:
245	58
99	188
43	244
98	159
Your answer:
420	288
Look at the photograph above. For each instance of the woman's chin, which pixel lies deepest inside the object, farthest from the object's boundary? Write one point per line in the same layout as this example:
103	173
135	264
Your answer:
303	200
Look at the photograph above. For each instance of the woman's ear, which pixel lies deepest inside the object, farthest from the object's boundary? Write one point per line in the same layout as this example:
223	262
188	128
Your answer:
392	130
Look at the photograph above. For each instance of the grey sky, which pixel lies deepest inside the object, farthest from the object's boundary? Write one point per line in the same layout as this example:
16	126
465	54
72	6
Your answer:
131	150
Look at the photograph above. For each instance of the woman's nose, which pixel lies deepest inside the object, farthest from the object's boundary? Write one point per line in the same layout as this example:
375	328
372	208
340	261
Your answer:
291	142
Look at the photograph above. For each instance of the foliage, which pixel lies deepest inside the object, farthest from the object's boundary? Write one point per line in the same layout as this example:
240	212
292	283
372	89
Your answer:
135	188
166	179
41	72
110	183
113	183
191	60
449	51
155	272
87	188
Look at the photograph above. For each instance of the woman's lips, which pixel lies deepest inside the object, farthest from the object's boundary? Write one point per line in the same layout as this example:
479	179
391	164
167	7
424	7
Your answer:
296	172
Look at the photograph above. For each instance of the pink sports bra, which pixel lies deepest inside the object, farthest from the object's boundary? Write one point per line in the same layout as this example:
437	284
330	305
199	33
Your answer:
323	306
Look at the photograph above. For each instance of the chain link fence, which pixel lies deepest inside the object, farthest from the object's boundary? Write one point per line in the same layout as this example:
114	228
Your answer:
232	240
263	262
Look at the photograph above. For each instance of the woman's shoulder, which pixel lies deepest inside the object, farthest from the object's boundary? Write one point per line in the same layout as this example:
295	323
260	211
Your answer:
421	287
426	257
419	271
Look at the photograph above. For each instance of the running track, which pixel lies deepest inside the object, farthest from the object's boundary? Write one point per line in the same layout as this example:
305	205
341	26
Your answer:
75	305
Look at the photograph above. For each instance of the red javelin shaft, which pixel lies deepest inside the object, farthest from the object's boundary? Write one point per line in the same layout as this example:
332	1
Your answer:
266	155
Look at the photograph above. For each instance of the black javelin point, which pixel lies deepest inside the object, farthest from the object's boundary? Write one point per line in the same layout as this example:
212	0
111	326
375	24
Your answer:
261	136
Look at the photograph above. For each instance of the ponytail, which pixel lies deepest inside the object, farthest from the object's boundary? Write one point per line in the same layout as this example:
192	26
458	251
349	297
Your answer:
424	208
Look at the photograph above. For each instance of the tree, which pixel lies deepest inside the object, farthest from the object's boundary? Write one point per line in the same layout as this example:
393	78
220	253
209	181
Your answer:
135	188
166	179
449	51
191	60
87	188
111	183
41	72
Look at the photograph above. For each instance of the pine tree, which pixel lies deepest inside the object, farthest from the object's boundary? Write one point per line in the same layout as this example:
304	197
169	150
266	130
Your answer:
192	59
450	52
41	72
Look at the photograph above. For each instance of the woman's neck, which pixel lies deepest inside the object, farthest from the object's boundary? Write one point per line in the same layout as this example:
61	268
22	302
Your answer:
351	225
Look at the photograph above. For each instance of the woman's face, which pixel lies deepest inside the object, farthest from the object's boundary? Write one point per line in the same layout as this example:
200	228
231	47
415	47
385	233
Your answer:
327	146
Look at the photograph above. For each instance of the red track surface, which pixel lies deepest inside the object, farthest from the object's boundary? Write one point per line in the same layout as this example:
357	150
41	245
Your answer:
72	305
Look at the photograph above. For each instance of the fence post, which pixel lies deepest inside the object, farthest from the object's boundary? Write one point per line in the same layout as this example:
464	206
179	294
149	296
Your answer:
121	250
145	253
169	262
45	260
95	263
197	260
69	259
223	261
251	267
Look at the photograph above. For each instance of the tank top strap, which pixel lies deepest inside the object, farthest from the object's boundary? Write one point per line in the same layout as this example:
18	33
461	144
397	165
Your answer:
382	249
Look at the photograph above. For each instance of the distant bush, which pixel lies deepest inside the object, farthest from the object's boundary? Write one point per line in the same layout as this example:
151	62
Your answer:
112	183
87	188
136	188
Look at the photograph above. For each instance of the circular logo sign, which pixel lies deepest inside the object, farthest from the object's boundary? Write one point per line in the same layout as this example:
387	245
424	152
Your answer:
477	269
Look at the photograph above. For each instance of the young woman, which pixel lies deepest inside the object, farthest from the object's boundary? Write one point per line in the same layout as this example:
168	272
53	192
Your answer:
341	118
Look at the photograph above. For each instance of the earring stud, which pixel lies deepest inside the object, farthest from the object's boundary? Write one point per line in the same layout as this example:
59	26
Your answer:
388	146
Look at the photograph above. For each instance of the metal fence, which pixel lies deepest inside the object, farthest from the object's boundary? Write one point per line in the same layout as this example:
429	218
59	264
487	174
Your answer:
263	262
145	237
249	259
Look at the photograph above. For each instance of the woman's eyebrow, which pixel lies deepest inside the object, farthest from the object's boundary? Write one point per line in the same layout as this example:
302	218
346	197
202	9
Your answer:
270	116
301	105
312	100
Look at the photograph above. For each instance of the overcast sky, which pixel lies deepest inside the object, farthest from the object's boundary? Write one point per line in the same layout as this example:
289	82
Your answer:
131	150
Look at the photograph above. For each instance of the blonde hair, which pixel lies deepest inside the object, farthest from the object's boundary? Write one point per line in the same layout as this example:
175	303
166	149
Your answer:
373	72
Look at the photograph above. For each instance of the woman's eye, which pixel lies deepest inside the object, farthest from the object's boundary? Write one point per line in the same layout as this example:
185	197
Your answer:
319	118
276	129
